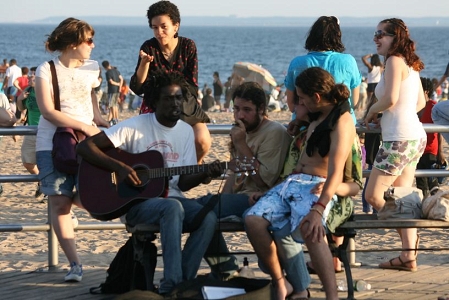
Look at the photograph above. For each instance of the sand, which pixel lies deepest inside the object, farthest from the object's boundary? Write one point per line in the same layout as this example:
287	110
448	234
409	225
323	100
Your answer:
27	251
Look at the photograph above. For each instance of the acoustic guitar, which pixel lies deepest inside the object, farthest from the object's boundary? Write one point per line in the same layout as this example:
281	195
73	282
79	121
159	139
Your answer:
105	198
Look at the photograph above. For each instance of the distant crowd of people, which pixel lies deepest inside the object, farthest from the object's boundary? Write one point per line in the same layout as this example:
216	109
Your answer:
303	173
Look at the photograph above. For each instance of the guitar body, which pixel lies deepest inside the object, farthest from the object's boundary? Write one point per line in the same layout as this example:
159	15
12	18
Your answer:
104	198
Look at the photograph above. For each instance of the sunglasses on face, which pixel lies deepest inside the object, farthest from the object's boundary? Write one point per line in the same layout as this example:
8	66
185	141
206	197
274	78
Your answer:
380	34
89	41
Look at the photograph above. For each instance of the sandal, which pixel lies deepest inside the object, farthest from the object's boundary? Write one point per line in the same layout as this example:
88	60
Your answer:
402	267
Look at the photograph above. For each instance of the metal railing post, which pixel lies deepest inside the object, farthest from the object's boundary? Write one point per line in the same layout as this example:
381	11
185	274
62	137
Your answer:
52	243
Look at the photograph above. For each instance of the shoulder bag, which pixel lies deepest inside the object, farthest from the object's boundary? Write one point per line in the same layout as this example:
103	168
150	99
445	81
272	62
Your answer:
401	203
436	207
65	139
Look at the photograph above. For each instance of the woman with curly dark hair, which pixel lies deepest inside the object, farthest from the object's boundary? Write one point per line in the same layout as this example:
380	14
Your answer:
167	51
400	96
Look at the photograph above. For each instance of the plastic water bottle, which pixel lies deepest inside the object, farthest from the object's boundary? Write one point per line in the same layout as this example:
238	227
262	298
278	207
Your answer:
246	271
361	285
341	285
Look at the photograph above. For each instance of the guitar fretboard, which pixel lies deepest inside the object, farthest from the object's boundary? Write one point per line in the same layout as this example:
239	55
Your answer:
183	170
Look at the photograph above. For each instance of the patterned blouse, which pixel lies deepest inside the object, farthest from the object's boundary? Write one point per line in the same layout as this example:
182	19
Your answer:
184	60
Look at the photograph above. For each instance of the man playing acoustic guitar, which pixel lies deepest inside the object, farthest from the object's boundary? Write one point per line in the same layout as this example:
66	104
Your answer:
164	132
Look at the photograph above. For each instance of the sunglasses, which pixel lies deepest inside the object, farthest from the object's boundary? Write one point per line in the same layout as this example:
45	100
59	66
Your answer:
89	41
380	34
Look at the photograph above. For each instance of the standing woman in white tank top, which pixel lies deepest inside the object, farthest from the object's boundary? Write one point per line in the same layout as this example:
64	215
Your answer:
400	96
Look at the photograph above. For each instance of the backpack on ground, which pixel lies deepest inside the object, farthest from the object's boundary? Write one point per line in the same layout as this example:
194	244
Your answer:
127	271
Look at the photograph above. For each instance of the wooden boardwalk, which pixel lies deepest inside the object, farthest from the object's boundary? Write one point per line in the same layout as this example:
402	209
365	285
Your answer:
429	282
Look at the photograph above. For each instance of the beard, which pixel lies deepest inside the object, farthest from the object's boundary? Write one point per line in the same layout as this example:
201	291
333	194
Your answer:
253	125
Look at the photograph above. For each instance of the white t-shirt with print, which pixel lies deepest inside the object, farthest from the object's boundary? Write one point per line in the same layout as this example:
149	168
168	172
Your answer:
75	86
143	133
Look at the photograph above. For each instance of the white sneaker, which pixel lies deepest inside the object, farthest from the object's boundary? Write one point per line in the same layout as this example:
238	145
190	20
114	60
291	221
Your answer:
74	219
75	273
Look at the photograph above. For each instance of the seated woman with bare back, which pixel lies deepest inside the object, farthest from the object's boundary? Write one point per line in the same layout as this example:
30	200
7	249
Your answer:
294	201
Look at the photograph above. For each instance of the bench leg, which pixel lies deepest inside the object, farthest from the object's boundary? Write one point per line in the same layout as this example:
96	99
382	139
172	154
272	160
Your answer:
342	254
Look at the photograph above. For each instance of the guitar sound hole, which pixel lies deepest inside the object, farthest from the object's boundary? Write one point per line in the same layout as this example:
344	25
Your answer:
143	173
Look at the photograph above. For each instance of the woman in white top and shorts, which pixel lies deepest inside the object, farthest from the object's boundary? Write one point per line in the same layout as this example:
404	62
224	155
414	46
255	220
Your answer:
400	96
77	76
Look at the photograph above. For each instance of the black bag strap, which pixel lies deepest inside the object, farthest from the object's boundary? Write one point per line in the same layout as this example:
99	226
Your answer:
199	217
54	81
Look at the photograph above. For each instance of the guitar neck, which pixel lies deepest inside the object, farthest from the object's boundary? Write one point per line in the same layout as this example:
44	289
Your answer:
183	170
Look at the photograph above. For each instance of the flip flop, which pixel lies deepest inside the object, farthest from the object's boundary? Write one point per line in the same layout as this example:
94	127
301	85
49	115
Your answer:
312	270
402	267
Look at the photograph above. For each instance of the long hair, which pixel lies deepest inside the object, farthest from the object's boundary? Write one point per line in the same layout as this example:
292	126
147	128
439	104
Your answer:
70	32
402	45
316	80
325	35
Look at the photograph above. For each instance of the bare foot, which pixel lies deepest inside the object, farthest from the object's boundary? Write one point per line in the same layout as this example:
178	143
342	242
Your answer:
282	288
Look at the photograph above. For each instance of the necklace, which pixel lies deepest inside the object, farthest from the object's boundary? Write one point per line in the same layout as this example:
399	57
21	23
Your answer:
167	55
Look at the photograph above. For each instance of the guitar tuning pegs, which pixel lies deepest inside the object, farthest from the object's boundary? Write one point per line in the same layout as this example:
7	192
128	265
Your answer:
246	173
253	172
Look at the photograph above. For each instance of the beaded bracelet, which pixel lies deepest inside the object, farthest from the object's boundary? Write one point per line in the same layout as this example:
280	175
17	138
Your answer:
320	204
317	210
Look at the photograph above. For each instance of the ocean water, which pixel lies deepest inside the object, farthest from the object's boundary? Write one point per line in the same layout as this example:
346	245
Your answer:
220	47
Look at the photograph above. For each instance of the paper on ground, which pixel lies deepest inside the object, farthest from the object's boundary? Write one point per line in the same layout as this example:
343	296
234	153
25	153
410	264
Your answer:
216	292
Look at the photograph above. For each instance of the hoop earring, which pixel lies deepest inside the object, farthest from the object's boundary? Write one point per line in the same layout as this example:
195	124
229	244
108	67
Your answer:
176	35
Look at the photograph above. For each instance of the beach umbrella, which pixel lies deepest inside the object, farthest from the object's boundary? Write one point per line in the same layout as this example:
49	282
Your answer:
253	72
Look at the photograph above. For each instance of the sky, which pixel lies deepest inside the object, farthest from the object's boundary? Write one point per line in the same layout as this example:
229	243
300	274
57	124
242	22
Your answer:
24	11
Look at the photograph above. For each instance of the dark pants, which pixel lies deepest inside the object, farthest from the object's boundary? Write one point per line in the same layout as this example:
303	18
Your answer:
426	183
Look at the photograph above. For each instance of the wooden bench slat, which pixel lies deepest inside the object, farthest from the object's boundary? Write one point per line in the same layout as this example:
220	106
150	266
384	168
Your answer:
371	222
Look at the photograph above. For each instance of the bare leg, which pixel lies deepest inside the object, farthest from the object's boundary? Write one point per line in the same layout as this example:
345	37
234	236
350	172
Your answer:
32	168
377	184
322	261
63	226
408	236
202	140
114	112
338	240
265	248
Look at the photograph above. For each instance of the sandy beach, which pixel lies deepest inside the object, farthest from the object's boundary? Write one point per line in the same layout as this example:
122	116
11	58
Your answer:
28	250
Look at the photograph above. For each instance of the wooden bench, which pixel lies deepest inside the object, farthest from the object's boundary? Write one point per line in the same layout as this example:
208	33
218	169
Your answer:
347	230
364	221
